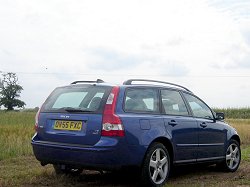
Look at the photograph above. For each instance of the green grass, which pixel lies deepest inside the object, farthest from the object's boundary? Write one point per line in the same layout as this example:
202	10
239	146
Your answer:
16	130
245	154
17	118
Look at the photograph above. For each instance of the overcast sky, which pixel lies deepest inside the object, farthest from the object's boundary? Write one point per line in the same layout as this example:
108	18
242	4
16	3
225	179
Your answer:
203	45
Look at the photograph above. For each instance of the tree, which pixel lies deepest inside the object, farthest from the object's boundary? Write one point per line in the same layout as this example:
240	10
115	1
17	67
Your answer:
9	92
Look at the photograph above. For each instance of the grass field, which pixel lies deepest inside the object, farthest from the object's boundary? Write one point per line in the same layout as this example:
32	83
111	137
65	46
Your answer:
16	129
18	167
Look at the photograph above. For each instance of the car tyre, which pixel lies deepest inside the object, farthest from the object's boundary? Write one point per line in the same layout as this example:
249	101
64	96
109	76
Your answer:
156	166
232	157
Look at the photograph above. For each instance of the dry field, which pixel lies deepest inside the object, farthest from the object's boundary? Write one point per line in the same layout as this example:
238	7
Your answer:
18	167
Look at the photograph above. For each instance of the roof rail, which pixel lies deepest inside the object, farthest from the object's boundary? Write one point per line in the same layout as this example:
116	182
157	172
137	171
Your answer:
97	81
129	82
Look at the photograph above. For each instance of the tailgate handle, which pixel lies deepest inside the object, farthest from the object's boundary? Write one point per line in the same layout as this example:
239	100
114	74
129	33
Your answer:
203	124
172	123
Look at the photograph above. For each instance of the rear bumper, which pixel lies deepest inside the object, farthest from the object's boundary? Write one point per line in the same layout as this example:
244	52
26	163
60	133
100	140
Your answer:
107	156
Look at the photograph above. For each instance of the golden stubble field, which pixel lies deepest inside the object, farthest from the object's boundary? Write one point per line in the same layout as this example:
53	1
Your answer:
18	167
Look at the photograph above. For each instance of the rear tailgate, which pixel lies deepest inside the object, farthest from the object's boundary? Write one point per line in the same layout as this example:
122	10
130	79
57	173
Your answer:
79	129
73	115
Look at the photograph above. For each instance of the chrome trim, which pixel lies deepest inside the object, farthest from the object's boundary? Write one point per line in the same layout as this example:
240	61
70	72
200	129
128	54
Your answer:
184	161
214	144
186	145
200	159
199	145
59	144
211	158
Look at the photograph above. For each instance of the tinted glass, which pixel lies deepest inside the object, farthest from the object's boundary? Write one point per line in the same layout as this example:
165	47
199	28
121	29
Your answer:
199	108
84	98
173	103
141	100
70	99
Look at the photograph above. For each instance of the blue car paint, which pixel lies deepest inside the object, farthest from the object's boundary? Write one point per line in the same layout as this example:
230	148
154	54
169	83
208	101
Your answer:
108	153
86	136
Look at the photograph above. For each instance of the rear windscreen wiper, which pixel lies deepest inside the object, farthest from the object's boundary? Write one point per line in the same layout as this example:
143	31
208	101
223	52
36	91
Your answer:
69	109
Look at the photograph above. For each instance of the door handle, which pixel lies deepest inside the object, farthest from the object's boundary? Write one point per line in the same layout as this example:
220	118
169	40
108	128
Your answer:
203	124
172	123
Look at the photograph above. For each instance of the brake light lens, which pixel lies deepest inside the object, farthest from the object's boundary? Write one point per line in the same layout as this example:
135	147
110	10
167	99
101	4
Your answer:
36	119
111	123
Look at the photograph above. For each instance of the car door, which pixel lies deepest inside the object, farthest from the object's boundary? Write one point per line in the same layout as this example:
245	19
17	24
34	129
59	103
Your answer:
211	135
180	125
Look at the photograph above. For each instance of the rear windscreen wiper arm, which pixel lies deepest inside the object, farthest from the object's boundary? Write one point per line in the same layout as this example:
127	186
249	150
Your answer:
69	109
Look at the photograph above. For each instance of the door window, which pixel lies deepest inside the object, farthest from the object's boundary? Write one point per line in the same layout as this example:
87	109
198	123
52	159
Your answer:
173	103
199	108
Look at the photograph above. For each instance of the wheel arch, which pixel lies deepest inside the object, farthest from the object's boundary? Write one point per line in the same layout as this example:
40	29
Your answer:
146	175
167	143
236	138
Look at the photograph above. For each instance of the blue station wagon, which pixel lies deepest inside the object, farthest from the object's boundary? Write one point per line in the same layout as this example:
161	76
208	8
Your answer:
147	124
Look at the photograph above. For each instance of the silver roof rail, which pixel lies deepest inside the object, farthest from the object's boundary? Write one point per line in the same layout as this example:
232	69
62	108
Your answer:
129	82
97	81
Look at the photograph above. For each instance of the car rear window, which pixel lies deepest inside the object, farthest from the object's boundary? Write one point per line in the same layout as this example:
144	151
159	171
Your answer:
76	99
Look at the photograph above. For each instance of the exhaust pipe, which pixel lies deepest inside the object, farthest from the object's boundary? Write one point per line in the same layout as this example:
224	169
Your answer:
43	163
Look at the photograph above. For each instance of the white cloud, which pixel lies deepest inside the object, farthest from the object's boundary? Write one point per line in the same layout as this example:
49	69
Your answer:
185	41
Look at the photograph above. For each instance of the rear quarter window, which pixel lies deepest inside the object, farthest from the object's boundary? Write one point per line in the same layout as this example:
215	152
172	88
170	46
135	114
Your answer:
141	100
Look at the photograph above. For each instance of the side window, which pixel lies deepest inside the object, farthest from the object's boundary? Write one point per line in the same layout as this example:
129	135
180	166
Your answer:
199	108
141	100
173	103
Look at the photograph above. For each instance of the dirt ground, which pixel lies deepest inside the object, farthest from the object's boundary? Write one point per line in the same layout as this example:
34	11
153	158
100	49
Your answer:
26	171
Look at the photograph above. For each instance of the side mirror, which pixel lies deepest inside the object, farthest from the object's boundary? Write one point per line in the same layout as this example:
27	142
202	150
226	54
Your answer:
220	116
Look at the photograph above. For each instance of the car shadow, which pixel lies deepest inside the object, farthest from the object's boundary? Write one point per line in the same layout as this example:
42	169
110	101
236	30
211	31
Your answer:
197	169
131	178
114	178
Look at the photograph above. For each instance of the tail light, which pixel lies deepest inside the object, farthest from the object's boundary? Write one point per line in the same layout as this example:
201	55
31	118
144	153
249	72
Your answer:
111	123
36	119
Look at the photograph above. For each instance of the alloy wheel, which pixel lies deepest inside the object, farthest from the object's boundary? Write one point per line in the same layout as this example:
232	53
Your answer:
158	166
232	156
